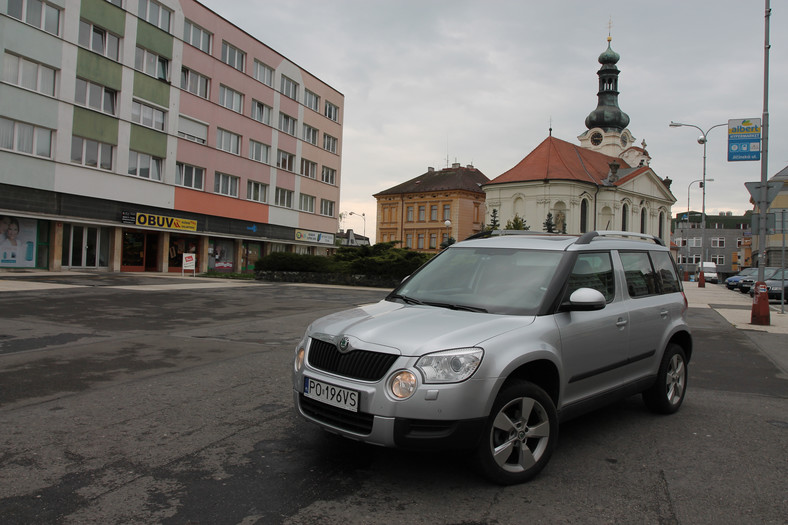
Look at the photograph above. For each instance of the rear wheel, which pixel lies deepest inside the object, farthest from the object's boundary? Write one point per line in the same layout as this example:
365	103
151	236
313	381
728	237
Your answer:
670	388
520	434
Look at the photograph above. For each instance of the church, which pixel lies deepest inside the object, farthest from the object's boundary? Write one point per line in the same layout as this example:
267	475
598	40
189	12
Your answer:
604	183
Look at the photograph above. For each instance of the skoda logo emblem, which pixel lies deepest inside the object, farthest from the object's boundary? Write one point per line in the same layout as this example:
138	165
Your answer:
344	345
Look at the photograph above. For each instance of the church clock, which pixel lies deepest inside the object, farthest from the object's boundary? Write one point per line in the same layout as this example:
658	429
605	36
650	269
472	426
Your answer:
596	138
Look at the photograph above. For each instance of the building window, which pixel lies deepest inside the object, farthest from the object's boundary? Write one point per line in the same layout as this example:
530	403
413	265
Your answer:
155	13
642	220
287	124
232	56
192	130
311	100
256	191
718	242
738	243
447	211
434	212
329	143
307	203
420	244
680	241
285	160
144	165
29	75
261	112
289	88
718	259
696	242
310	134
151	64
433	241
326	208
332	111
583	216
146	115
624	217
225	184
196	36
329	175
263	73
36	13
98	40
91	153
189	176
283	197
409	240
422	213
25	138
308	168
410	214
258	151
95	96
228	141
194	82
231	99
661	224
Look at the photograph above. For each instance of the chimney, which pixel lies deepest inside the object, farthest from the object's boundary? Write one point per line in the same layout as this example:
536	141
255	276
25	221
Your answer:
455	165
430	169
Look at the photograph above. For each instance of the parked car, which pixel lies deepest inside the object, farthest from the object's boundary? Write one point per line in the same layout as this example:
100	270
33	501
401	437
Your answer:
733	281
709	272
747	282
494	341
775	285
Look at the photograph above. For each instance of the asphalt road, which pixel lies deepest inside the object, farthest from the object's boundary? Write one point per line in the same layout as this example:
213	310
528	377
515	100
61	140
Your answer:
129	399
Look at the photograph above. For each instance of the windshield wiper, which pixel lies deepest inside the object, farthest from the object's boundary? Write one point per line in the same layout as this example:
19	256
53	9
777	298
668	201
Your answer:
405	298
463	307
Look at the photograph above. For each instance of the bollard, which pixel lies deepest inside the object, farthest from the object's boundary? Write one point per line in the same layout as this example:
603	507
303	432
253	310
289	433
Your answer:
760	305
701	281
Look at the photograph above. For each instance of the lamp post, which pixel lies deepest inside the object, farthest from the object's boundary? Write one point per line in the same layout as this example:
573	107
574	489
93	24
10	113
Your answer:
688	214
364	217
701	140
447	223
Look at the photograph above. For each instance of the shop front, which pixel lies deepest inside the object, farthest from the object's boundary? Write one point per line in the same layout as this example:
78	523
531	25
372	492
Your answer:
24	242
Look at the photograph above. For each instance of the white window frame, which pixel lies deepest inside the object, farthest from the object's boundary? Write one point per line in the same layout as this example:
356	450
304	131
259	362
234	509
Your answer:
718	242
140	163
327	207
311	100
306	203
155	13
263	73
231	99
287	124
308	168
42	20
102	151
261	112
329	143
283	197
289	87
331	111
232	56
196	36
225	184
256	191
228	141
311	134
189	176
329	175
148	116
695	242
25	138
285	160
259	151
30	75
151	64
194	82
108	44
95	96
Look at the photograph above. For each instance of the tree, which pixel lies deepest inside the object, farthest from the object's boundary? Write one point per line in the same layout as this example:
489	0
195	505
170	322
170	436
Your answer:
517	223
549	225
494	223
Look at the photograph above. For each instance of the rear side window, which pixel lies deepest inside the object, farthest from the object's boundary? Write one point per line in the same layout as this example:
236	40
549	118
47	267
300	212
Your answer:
593	270
640	276
667	280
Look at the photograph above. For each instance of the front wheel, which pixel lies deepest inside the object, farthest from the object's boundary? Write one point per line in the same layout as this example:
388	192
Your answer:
670	388
520	434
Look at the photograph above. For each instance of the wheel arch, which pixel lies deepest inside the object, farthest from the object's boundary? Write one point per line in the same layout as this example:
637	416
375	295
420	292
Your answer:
684	340
541	372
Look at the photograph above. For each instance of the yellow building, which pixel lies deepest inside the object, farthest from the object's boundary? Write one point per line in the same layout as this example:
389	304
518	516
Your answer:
426	211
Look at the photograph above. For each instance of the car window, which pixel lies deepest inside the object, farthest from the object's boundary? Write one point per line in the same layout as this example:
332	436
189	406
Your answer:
640	276
592	270
667	280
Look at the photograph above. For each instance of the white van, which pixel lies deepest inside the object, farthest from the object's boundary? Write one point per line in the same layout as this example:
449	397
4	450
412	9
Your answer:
709	272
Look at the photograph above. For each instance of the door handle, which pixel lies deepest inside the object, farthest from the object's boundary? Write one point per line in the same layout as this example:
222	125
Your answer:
621	323
664	314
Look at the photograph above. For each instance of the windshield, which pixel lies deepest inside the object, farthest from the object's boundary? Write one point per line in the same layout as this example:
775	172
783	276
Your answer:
494	280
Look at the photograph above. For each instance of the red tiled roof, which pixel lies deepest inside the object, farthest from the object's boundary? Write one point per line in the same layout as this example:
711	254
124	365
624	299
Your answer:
556	159
454	178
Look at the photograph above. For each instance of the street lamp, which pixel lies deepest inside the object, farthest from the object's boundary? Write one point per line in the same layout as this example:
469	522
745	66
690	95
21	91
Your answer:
364	217
701	140
688	215
447	223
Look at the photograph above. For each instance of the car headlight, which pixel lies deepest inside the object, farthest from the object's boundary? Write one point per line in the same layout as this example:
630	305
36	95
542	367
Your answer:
403	384
300	354
450	366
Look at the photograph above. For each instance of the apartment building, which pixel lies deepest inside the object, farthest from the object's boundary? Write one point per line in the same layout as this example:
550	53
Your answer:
726	241
139	134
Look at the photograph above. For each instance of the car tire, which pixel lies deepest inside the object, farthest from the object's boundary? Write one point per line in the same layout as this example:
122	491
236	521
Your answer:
519	436
669	390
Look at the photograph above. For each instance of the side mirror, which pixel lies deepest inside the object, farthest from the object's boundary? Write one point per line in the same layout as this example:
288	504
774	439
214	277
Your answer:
587	299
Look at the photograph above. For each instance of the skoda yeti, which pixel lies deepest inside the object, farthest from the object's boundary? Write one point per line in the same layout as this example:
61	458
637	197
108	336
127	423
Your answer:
496	340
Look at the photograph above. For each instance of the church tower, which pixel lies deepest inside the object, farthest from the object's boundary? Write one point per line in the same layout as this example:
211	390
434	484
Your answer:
607	124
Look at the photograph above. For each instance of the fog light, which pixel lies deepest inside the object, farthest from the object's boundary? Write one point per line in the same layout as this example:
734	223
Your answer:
299	359
403	384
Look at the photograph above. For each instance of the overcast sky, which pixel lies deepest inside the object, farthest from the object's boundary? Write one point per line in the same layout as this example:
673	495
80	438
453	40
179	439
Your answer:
433	82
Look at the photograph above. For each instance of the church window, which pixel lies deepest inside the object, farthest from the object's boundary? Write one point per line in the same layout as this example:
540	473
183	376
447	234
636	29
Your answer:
624	215
583	216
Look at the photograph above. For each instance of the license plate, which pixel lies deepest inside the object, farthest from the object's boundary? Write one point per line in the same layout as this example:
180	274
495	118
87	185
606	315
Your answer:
331	394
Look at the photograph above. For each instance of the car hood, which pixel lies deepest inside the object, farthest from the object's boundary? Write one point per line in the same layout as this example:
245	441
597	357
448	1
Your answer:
412	330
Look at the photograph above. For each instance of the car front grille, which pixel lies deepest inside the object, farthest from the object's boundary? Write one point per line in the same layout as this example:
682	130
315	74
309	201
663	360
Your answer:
356	422
356	364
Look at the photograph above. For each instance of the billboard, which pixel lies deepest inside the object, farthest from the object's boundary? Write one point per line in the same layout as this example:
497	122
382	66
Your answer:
744	139
17	242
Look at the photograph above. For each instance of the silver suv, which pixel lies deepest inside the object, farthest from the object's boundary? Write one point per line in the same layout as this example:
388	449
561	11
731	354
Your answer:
494	341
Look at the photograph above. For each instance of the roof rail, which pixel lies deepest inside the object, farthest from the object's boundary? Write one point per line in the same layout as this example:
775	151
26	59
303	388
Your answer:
587	237
484	234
